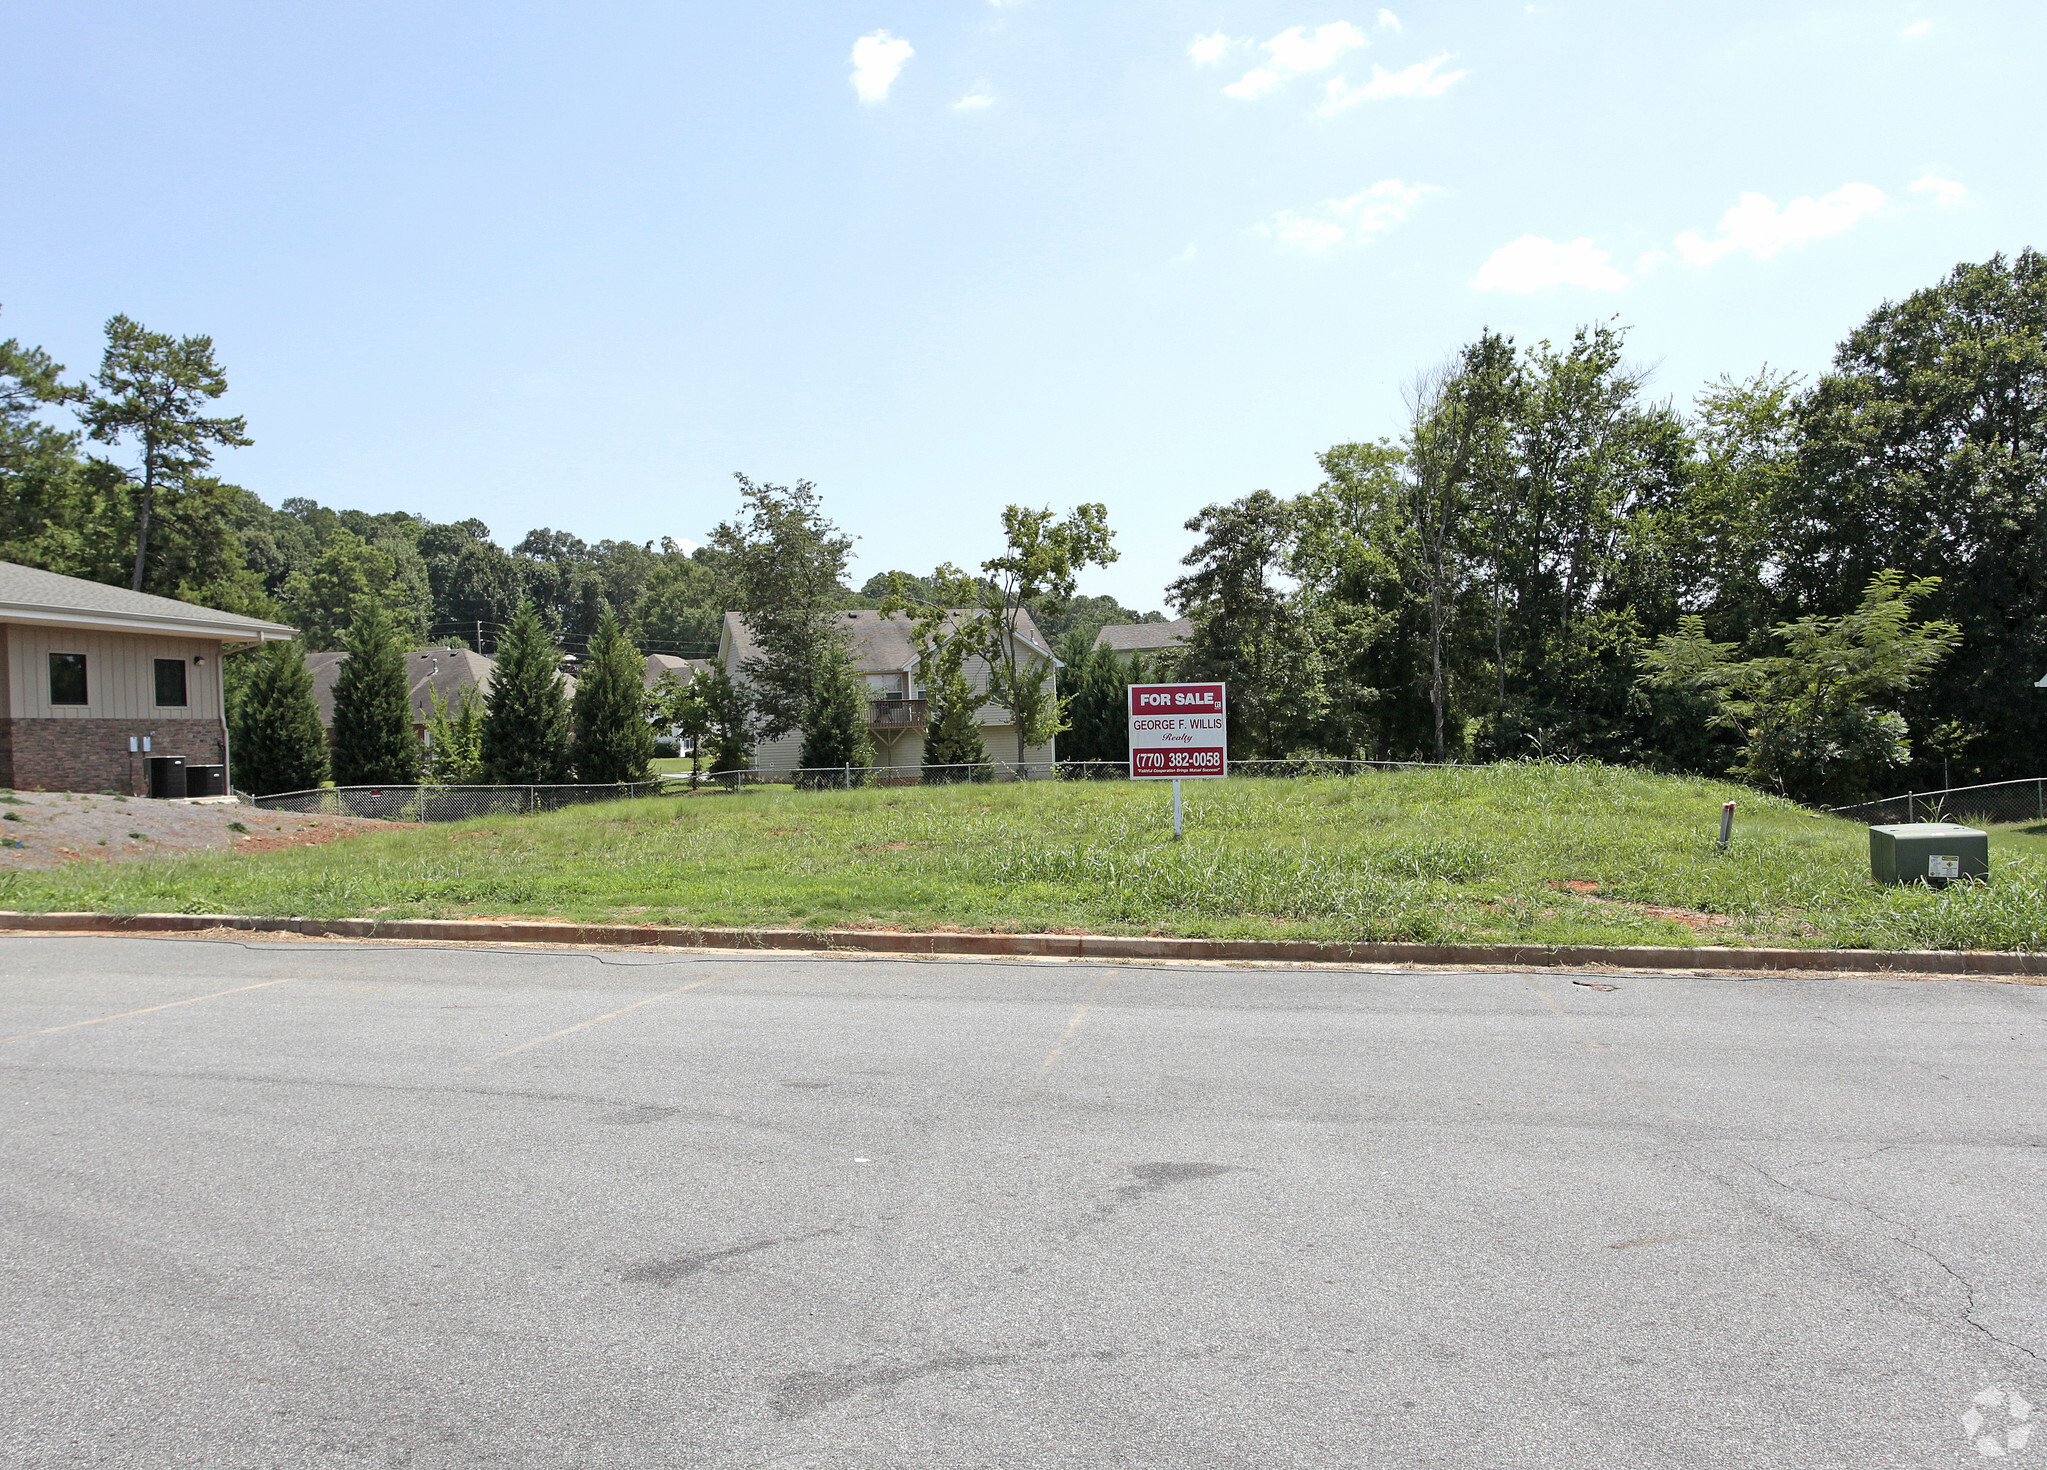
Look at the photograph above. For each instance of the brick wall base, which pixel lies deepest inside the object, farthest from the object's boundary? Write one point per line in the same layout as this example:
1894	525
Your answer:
92	755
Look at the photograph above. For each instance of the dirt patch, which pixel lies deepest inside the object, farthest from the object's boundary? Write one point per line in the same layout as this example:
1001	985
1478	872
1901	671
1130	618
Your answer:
53	829
1692	919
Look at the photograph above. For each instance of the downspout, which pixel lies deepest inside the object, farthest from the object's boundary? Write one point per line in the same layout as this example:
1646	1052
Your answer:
227	768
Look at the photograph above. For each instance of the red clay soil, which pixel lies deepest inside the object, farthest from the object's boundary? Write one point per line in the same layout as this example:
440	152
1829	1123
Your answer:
1692	919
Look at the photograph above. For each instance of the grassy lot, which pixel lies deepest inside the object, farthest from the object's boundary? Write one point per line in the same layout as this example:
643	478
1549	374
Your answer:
1558	854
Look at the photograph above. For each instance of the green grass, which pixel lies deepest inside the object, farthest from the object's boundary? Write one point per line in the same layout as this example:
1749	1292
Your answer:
1476	855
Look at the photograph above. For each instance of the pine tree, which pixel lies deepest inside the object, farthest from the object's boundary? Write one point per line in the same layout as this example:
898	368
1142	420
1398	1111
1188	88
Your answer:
526	716
835	725
373	740
952	731
278	743
613	741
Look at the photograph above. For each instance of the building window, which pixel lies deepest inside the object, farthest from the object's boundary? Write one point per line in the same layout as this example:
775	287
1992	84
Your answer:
67	678
170	681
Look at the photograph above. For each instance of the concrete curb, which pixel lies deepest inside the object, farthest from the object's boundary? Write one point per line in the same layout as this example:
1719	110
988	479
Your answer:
1064	946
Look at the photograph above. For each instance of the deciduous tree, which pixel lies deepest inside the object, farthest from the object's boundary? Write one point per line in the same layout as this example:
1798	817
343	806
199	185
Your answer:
1819	721
785	562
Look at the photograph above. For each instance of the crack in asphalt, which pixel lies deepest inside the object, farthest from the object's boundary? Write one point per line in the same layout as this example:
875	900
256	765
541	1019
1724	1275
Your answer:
1903	1237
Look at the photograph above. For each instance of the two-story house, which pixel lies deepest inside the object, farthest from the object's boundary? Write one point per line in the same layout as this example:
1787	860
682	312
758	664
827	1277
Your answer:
885	658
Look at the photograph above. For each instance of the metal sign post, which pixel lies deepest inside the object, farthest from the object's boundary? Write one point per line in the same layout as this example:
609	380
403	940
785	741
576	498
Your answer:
1178	732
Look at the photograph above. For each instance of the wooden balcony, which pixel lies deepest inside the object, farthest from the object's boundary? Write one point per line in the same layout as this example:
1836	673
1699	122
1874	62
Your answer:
895	714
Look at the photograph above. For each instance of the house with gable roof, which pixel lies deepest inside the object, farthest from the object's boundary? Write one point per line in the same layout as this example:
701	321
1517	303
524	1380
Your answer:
886	660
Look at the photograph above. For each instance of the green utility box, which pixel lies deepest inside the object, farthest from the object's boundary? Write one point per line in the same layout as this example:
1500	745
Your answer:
1928	852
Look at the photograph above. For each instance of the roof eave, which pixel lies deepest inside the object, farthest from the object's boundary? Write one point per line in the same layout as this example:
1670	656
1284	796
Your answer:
251	630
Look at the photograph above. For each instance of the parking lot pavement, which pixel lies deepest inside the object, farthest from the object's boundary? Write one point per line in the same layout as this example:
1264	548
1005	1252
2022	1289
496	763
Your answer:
355	1205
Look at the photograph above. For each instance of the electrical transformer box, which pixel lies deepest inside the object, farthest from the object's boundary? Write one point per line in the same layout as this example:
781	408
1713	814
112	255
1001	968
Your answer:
1928	852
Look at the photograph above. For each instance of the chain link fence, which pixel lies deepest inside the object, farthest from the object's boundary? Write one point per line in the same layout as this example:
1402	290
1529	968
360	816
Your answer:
449	803
464	803
849	777
1997	803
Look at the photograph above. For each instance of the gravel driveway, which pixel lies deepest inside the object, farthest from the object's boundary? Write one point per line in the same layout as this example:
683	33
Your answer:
47	829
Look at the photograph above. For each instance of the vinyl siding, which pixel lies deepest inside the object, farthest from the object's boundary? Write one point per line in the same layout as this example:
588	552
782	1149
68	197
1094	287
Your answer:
120	675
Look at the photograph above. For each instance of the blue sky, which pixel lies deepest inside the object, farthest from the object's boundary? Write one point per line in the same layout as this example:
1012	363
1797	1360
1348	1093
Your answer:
573	265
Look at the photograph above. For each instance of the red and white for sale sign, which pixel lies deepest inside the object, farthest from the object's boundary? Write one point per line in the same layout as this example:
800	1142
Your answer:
1177	730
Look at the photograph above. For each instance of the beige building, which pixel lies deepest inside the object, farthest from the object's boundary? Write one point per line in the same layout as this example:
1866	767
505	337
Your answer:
885	658
98	681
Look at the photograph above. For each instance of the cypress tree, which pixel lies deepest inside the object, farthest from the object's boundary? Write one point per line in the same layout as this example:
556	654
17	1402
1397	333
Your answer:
952	730
835	723
525	736
453	757
613	741
1098	718
278	743
373	740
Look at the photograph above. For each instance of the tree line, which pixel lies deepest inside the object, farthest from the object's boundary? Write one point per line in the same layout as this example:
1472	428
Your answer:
111	479
1827	587
1830	589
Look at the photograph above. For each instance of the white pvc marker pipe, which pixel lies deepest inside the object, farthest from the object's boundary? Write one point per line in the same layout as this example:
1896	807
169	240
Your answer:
1176	806
1726	823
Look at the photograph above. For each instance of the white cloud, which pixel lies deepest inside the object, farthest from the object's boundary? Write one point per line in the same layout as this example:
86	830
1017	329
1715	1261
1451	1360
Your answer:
877	62
979	99
1917	29
1532	263
1207	50
1423	79
1757	227
1293	52
1351	221
1944	191
1388	21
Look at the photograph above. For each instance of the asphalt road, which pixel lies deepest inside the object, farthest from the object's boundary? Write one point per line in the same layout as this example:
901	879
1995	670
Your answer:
358	1205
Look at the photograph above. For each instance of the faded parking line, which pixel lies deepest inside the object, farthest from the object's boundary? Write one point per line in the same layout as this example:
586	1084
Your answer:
1072	1030
594	1020
145	1010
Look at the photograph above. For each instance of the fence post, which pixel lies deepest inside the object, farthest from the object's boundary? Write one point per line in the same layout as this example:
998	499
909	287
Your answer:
849	775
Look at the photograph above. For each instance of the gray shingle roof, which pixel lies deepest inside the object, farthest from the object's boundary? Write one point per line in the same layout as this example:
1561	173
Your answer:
684	669
428	671
1144	637
29	592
